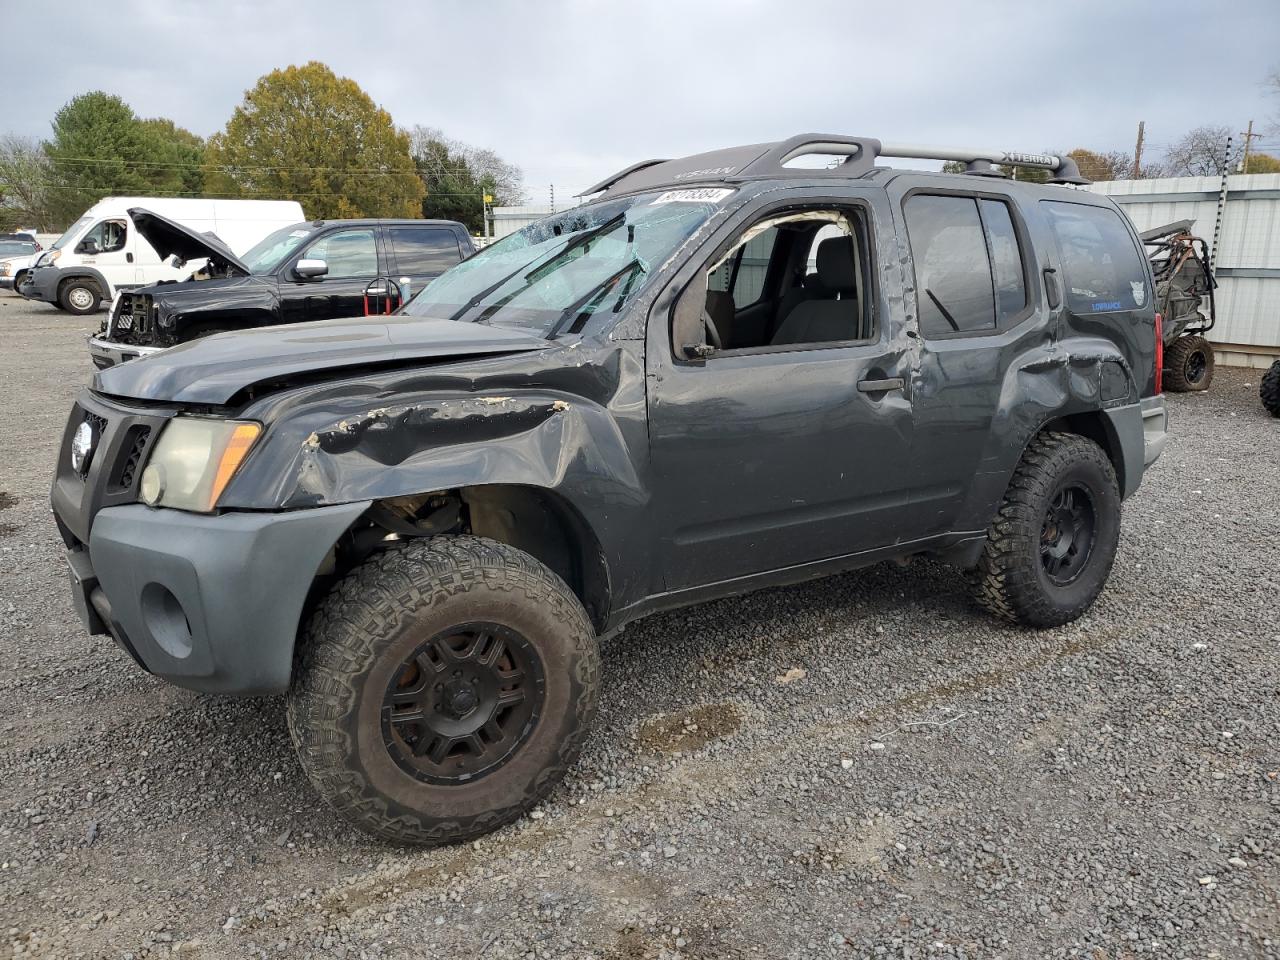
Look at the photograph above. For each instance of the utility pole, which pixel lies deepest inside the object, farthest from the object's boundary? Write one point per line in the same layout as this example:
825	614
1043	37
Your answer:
1248	139
1137	151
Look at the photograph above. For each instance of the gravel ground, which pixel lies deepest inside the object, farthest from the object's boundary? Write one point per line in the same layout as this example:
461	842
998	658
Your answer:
863	766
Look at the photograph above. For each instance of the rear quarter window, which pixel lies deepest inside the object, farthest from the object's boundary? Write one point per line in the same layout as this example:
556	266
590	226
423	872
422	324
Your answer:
424	249
1103	271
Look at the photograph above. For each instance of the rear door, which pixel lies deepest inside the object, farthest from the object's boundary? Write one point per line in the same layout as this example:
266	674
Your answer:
978	308
419	254
351	254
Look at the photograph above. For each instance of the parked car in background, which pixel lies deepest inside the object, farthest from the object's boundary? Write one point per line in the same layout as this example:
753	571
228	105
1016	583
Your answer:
305	271
102	252
17	250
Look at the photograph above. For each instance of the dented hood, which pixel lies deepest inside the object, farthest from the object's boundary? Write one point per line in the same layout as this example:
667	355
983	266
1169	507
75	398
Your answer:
169	238
212	370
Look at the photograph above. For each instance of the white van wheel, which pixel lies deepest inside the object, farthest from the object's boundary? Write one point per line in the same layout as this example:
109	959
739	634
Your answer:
79	296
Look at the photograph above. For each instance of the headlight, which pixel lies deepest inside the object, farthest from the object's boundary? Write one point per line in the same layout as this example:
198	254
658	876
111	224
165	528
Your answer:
4	268
194	460
48	257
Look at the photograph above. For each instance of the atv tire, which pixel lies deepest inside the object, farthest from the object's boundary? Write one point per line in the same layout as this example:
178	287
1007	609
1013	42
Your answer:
1269	391
443	688
1188	365
80	296
1051	545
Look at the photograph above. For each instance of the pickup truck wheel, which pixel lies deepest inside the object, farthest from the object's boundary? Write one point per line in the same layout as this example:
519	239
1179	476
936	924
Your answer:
1269	391
1188	365
79	296
442	689
1053	540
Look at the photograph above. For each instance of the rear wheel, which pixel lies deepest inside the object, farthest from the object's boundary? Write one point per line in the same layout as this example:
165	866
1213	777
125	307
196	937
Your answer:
1051	545
1269	391
79	296
443	688
1188	365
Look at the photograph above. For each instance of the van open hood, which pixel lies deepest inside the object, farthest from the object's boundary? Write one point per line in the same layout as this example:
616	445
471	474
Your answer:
169	238
214	369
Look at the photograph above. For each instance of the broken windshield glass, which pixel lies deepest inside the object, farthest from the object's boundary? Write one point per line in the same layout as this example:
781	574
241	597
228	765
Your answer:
556	275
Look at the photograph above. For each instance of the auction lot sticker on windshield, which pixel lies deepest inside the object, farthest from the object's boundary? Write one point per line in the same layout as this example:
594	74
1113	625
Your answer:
704	195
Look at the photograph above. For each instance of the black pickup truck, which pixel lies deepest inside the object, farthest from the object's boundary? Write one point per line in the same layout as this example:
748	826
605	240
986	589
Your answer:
722	373
307	271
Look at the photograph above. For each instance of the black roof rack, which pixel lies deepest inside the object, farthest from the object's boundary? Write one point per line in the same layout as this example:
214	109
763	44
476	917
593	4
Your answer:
759	161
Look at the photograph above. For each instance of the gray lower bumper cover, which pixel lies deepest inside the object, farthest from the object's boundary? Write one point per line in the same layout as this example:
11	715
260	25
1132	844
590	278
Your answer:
213	603
1140	429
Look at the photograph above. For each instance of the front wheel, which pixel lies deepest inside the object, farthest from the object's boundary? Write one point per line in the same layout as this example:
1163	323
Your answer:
1051	545
79	296
443	688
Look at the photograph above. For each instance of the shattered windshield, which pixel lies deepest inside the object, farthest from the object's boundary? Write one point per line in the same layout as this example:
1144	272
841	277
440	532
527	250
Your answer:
556	275
271	250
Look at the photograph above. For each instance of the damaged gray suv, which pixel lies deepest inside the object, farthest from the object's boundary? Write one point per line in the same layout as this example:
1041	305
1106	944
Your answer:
725	372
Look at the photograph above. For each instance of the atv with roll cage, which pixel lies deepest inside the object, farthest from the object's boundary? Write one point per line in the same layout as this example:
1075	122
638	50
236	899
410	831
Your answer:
1185	288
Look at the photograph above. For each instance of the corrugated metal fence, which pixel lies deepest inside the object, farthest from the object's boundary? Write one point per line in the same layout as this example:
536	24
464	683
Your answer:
1247	261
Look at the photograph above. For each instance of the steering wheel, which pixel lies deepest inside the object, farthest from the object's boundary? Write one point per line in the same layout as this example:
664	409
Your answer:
713	335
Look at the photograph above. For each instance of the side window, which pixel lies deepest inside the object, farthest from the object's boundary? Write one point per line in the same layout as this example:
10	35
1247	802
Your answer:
424	249
1102	269
953	270
1006	259
349	254
742	307
109	235
743	275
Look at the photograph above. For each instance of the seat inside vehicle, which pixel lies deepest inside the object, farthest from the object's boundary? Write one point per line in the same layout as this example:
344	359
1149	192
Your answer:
793	279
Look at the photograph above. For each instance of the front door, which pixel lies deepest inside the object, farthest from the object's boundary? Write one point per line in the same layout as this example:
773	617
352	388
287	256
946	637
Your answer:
351	254
107	246
792	444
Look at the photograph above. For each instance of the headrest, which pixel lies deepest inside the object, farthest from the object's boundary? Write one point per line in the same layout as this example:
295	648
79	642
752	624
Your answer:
720	308
836	268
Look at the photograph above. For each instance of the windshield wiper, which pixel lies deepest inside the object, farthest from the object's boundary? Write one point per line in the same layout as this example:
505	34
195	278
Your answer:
533	275
576	309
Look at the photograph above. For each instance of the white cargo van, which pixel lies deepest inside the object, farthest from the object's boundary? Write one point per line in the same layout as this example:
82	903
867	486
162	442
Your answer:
102	252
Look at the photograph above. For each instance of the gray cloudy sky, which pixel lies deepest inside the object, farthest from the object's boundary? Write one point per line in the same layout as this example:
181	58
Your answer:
571	90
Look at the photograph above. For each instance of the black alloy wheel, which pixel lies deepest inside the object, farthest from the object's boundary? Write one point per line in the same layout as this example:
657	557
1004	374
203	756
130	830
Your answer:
1066	538
463	703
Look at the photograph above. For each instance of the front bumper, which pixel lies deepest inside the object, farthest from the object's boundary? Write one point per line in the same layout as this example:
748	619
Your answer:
105	354
210	603
40	283
6	283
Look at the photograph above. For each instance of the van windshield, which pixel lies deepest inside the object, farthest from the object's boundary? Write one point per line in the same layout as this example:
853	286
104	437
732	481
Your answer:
558	274
73	231
269	252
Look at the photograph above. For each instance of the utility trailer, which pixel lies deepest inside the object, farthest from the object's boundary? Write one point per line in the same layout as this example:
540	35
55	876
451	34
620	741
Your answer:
1184	287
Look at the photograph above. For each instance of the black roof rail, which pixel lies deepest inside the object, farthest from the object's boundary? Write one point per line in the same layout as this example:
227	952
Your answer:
769	160
608	182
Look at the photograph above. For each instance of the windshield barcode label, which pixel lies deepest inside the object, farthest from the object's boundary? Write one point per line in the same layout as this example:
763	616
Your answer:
704	195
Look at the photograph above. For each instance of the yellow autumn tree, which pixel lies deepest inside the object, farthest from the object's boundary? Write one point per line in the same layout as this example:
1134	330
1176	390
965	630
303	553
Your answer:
306	134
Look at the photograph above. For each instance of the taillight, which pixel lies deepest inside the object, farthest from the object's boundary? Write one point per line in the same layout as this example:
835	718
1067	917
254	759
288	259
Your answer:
1159	354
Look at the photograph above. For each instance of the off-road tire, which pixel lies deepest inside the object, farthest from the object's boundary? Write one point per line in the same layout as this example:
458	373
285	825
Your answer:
362	631
1188	365
1269	390
79	295
1010	580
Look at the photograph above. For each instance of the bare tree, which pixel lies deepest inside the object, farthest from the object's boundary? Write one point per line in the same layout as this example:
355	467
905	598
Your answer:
445	157
1105	165
1200	153
25	178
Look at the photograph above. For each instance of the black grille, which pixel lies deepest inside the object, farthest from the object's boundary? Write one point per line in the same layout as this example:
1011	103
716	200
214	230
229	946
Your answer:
135	447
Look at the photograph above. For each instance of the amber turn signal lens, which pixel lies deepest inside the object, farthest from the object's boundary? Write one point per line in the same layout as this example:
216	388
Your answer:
237	448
